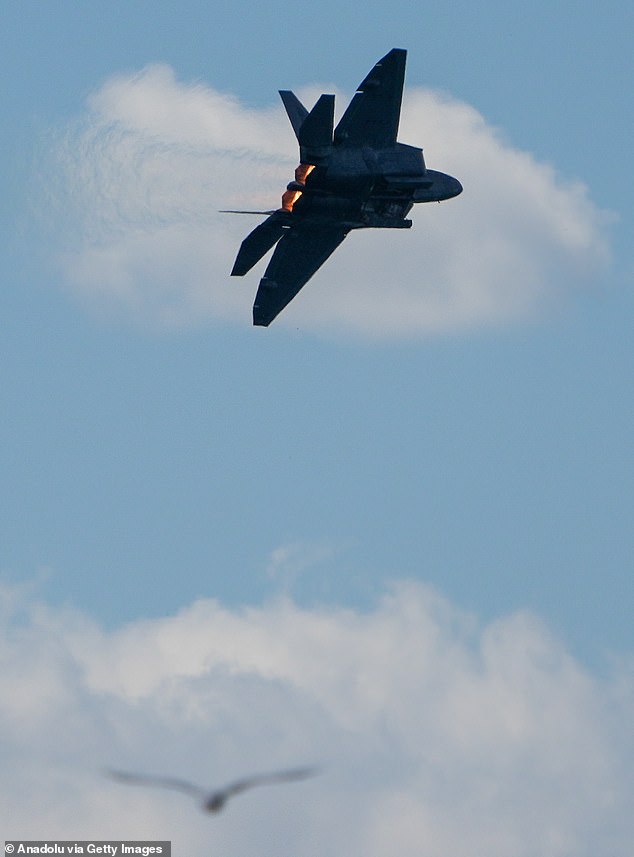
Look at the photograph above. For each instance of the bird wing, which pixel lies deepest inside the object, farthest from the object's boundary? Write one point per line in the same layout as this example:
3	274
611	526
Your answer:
159	782
265	779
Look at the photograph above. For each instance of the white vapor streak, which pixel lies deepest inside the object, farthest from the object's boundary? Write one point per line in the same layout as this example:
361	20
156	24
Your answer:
142	176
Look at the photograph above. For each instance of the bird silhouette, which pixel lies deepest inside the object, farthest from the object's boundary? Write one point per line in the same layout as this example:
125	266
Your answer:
213	801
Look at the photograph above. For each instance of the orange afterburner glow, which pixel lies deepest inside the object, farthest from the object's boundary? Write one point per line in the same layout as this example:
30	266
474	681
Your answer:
302	172
290	196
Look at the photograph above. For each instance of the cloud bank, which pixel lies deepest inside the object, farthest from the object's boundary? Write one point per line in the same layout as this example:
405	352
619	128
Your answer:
138	181
436	735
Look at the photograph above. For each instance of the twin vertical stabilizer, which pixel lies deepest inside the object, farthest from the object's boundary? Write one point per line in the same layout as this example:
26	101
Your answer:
314	130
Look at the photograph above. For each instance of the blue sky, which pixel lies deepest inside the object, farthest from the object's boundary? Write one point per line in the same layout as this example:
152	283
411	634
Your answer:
157	451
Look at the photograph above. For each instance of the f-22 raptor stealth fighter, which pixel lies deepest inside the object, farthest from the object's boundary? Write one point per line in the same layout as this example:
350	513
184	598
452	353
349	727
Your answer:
354	176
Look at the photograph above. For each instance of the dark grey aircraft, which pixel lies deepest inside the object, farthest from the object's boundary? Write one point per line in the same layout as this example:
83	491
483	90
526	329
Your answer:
354	176
215	800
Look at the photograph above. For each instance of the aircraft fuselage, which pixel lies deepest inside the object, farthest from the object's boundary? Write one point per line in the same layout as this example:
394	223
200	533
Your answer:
352	176
370	188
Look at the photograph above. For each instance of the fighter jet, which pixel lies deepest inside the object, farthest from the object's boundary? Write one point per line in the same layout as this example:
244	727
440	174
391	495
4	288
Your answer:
215	800
354	176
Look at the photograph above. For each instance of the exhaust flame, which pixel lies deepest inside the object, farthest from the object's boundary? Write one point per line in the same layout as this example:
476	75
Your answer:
290	197
302	172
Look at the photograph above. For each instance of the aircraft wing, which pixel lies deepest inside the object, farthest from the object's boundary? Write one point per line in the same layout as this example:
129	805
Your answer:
372	116
299	253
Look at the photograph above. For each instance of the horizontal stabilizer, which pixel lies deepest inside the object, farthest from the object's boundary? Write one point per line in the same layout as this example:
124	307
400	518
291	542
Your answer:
294	108
259	242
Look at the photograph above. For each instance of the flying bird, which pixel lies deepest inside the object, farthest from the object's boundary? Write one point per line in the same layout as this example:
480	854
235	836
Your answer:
215	800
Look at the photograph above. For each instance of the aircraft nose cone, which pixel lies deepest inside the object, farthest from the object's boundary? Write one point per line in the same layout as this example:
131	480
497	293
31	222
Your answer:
455	187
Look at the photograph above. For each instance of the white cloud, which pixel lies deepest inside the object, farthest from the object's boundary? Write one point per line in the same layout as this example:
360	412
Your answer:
290	561
436	735
142	176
